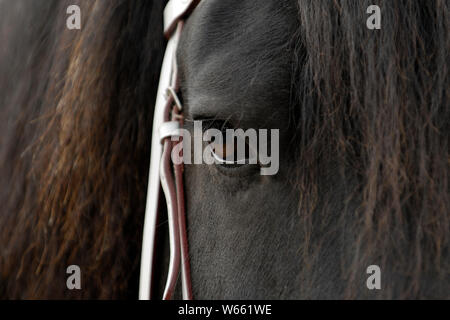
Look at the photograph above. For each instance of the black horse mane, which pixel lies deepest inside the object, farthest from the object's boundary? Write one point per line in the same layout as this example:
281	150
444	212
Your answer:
379	106
75	155
78	106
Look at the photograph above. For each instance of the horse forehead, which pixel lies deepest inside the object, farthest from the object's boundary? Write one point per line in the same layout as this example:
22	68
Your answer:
237	28
232	45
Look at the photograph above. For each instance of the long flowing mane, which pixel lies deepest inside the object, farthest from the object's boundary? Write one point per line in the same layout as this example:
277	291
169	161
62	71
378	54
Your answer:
75	152
75	146
380	107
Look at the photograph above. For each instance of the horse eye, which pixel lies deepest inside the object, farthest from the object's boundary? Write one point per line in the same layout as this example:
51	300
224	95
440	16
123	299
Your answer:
230	155
227	154
225	151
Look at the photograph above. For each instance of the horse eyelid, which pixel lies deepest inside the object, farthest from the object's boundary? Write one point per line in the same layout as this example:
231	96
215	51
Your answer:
231	162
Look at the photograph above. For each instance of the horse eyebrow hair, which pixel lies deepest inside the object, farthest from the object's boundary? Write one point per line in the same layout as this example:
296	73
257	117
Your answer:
232	121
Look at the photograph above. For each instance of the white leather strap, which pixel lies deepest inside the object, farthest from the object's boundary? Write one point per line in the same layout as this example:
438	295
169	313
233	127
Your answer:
169	129
154	185
176	10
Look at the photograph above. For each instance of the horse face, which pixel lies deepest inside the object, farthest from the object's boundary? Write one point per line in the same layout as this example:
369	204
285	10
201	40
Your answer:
307	231
234	59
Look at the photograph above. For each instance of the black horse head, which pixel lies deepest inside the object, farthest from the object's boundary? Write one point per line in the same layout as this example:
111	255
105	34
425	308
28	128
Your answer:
337	204
363	124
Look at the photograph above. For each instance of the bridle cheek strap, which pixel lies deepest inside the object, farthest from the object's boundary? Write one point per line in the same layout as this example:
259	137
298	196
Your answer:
163	172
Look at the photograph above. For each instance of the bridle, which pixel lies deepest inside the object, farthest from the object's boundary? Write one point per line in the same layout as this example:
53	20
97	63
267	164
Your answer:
163	173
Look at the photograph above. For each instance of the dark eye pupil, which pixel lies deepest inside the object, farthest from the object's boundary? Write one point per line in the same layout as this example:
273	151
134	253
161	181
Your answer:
229	154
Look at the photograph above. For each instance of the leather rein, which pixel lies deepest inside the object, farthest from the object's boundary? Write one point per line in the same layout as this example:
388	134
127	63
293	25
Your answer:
164	174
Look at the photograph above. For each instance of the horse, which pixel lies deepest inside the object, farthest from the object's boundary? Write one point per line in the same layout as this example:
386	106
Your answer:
363	177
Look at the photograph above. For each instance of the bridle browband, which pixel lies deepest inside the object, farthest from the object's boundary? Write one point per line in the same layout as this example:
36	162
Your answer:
163	173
